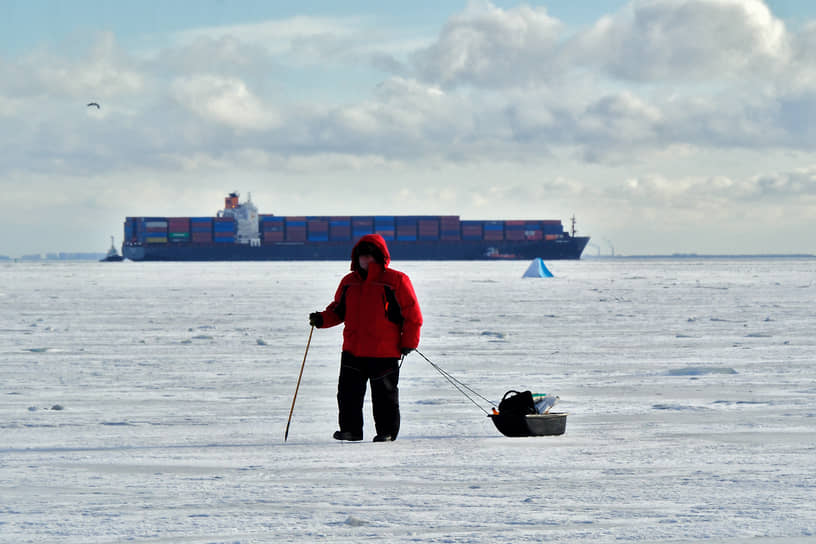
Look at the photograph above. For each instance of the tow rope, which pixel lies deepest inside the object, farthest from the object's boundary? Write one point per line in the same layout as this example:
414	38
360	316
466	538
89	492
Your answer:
459	385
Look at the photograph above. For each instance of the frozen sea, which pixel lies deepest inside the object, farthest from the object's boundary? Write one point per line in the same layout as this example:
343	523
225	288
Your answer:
147	402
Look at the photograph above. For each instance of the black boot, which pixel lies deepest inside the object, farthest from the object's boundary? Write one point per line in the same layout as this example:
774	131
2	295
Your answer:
344	435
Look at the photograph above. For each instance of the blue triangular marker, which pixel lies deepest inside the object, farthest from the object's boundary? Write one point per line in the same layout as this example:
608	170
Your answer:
537	269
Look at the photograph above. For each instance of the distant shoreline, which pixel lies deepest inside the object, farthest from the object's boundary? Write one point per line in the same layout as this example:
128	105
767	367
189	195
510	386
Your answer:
706	256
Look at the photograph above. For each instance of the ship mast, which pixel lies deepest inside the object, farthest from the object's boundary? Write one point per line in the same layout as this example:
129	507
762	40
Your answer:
573	225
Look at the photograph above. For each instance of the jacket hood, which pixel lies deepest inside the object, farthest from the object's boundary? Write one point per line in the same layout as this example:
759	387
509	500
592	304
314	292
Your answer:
378	242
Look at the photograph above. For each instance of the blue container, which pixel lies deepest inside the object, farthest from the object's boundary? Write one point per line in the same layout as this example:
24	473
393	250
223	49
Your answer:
318	237
406	237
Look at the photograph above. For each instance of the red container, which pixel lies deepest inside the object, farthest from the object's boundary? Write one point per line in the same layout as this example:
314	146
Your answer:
296	234
273	236
201	237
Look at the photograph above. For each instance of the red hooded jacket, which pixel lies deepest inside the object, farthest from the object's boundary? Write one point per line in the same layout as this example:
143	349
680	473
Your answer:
379	308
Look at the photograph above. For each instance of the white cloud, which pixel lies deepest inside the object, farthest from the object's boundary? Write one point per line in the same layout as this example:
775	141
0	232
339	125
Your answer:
492	47
106	71
682	40
224	100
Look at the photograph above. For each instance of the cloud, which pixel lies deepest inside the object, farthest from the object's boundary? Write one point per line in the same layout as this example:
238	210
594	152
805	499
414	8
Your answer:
224	100
491	47
104	71
682	40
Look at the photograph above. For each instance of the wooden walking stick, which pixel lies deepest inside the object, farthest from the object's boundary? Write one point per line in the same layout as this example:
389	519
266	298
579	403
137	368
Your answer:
292	409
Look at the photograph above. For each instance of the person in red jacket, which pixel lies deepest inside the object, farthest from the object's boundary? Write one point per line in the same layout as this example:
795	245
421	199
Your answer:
382	321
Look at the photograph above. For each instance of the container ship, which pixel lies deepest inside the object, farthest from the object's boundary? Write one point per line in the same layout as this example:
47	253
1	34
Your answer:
240	233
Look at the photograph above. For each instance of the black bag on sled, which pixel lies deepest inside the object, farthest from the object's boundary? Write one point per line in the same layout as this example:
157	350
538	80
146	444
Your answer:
518	417
514	402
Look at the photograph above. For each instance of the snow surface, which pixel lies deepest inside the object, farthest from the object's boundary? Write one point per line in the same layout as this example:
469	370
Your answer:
146	402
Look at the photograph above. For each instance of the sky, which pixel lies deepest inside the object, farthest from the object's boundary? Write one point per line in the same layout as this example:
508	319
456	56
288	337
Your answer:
663	126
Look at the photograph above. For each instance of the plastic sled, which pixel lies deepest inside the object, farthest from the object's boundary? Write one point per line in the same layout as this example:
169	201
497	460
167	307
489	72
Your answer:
515	424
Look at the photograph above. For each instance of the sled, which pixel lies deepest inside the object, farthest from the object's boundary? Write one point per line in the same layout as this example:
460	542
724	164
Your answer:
530	424
517	416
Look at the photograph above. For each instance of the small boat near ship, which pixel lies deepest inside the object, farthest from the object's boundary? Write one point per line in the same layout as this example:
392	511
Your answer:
112	256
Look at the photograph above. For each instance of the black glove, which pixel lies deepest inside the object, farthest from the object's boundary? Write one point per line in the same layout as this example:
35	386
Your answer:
406	351
315	319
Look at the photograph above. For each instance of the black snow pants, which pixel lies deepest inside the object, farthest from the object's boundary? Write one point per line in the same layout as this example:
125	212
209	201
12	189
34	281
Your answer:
351	388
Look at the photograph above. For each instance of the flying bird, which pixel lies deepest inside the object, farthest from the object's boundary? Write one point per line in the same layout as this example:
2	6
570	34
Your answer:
93	104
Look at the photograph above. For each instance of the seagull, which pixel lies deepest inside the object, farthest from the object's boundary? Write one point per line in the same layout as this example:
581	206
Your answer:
93	104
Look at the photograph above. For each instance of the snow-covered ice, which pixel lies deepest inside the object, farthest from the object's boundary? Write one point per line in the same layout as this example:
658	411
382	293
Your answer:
146	402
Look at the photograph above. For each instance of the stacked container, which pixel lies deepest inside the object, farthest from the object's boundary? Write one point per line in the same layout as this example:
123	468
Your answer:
532	231
360	226
272	228
339	228
406	228
449	227
318	229
428	228
514	230
295	229
552	227
201	230
494	230
155	231
178	229
472	230
384	226
224	229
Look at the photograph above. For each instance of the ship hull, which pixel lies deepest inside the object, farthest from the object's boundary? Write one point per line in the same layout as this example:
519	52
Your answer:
436	250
